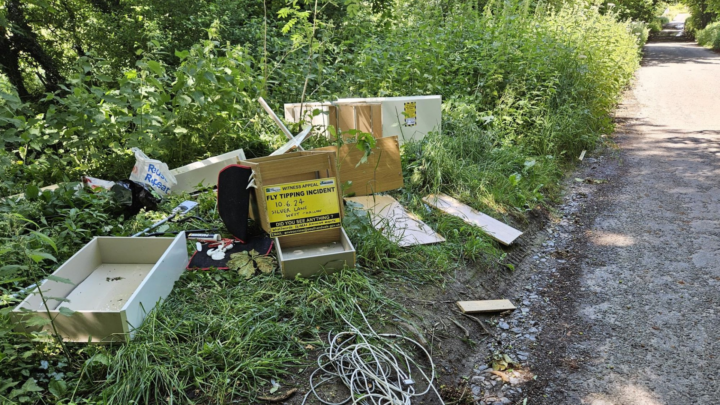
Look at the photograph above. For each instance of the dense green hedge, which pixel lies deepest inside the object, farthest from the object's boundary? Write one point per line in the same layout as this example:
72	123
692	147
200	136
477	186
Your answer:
525	90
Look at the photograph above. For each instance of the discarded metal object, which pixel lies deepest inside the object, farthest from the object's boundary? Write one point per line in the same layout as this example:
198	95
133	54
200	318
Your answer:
104	291
181	209
499	231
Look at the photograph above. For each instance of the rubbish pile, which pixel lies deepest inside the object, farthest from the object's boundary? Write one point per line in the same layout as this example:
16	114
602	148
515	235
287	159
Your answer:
296	197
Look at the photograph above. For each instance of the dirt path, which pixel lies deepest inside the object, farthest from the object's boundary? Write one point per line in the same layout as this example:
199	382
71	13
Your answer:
629	279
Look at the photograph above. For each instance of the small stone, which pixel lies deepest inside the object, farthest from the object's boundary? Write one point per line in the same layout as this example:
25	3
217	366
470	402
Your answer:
477	379
516	330
476	390
504	325
530	338
533	330
526	302
525	310
482	367
504	401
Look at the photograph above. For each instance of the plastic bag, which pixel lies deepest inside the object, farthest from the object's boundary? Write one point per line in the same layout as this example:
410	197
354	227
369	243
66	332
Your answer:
134	196
152	172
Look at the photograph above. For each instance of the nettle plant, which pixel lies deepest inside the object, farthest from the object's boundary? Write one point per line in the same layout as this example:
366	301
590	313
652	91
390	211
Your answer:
39	356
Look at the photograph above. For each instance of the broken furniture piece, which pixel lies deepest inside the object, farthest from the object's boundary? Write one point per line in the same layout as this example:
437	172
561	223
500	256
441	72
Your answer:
382	171
408	118
313	253
396	224
205	171
116	281
477	307
499	231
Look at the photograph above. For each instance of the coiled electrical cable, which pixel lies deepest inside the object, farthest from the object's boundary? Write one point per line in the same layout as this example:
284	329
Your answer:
372	366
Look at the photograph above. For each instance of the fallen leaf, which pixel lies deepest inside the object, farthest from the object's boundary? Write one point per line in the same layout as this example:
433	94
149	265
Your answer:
242	263
265	264
247	270
681	282
310	347
656	328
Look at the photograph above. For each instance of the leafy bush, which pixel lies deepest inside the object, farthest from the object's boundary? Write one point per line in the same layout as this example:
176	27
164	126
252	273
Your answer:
525	91
709	37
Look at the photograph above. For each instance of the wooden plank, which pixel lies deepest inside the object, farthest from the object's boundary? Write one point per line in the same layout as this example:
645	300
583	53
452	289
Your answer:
346	118
377	123
398	225
499	231
364	118
475	307
381	172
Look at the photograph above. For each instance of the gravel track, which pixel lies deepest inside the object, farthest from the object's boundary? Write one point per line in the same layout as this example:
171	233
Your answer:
631	316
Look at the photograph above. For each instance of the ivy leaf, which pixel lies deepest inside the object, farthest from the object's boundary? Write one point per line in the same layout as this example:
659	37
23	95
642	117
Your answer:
57	388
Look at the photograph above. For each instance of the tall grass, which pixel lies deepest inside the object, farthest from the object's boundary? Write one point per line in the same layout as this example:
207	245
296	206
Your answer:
525	90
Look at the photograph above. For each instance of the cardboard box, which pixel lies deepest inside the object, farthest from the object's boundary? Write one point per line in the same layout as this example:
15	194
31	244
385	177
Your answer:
308	254
382	171
288	168
116	282
205	171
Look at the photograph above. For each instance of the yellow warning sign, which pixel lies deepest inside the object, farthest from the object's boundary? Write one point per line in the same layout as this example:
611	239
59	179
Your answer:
410	114
304	206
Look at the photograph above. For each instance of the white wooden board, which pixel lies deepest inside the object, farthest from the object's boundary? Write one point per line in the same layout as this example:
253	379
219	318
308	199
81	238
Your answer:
205	171
499	231
474	307
398	225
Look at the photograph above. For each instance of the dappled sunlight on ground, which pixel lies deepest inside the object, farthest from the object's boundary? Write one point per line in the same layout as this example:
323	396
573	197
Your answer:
611	239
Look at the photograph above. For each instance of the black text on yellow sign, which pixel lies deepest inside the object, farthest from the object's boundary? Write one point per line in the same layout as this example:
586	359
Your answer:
304	206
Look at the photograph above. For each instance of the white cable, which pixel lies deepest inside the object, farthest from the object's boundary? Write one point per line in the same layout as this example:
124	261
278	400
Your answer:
376	372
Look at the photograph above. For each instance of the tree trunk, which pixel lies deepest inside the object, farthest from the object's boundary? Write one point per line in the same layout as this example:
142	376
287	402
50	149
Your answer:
25	40
10	65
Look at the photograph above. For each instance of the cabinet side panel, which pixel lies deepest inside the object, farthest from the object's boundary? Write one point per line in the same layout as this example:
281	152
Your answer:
158	284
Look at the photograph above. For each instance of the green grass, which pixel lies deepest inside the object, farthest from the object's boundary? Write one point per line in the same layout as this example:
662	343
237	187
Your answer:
525	91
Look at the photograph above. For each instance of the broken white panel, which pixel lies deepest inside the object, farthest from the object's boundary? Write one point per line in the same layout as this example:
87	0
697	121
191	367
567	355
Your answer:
205	171
395	223
499	231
